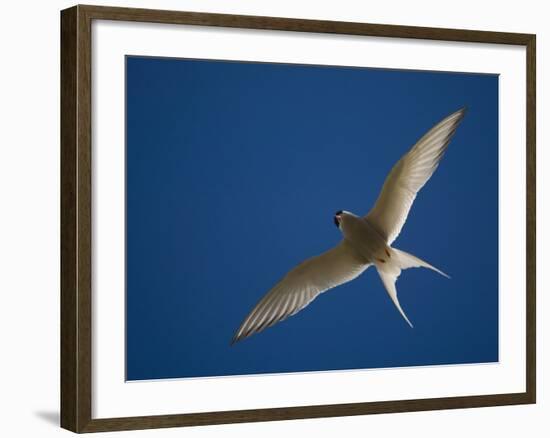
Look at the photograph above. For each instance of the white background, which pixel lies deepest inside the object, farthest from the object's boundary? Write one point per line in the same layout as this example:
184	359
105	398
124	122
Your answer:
29	235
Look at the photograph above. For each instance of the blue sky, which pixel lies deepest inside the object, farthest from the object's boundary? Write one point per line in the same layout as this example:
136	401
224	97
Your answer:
234	173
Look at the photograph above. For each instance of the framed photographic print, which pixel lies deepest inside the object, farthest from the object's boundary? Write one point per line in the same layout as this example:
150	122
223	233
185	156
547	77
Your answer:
244	200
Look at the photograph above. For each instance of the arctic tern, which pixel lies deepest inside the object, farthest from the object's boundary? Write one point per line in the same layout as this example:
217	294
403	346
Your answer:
366	240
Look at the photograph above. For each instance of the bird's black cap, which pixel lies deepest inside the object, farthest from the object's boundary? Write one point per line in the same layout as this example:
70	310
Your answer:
339	212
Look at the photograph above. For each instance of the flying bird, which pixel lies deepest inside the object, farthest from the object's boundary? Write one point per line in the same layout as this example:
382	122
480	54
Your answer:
366	240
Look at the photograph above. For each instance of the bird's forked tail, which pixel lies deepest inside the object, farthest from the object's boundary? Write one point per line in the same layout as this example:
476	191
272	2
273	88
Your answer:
391	268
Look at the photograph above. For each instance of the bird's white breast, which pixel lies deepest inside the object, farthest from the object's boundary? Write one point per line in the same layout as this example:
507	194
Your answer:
365	239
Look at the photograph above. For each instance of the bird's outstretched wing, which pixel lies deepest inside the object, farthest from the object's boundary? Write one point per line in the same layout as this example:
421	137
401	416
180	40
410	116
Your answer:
301	286
409	175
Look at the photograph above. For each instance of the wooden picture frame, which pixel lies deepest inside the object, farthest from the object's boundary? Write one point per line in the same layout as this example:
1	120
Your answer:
76	218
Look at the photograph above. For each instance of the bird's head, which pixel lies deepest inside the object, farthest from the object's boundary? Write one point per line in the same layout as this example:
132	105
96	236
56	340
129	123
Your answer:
342	216
338	218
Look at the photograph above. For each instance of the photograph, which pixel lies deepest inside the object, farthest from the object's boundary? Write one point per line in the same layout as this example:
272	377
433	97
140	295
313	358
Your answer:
274	219
274	213
268	218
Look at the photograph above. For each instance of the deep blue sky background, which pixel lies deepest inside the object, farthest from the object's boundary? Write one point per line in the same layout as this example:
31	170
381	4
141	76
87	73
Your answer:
234	172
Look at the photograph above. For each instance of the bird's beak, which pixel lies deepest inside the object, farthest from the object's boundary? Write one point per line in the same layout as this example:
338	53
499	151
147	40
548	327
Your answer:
337	220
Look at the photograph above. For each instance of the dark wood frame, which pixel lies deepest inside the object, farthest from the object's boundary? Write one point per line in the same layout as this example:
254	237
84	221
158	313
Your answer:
76	237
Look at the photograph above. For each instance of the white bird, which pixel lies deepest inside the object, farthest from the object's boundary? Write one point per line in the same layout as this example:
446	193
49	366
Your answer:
366	240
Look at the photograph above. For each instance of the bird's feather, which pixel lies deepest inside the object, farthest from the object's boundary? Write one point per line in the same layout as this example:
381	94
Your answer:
389	278
409	175
390	270
301	286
